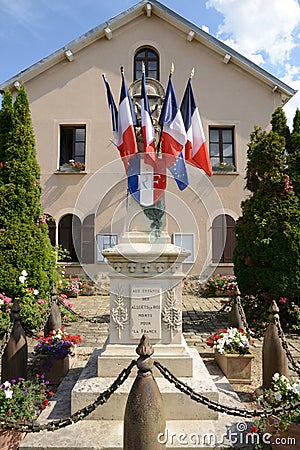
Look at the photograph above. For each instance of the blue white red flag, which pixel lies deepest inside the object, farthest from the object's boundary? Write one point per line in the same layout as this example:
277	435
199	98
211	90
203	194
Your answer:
196	152
112	107
126	140
146	183
147	125
173	136
179	172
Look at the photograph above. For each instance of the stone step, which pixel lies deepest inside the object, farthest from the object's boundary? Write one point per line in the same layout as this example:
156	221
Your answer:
177	404
108	435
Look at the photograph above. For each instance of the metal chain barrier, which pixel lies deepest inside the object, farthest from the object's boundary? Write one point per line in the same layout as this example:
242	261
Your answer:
80	316
185	389
209	318
6	338
294	364
74	418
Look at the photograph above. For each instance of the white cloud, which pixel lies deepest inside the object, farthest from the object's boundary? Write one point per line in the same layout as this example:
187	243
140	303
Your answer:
259	29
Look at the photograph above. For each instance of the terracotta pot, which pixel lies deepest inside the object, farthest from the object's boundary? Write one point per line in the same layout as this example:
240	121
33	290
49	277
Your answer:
56	369
10	439
236	367
283	440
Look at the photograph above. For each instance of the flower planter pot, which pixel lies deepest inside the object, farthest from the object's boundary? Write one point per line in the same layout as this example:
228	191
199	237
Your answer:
236	368
283	440
10	439
56	369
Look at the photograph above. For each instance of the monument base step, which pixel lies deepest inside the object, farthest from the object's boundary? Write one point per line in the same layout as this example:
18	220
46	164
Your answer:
177	404
108	435
225	433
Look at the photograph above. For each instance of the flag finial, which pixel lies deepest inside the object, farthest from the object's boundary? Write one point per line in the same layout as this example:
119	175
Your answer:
172	69
143	67
122	69
192	72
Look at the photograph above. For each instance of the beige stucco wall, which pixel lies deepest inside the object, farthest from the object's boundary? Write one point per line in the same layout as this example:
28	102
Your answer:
73	93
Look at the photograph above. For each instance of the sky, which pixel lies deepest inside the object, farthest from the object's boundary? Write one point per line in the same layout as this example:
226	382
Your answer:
265	31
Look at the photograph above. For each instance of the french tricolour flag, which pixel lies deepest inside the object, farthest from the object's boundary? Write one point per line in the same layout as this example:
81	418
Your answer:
112	107
126	140
147	125
173	137
196	152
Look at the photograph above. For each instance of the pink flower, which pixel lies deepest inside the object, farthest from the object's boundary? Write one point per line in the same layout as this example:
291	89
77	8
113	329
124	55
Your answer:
41	301
282	300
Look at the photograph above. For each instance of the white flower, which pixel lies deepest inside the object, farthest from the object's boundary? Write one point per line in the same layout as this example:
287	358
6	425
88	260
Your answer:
35	292
24	273
278	396
6	384
8	393
1	301
296	388
22	279
276	376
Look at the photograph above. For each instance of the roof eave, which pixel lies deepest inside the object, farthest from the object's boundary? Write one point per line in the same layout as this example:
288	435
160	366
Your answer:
171	17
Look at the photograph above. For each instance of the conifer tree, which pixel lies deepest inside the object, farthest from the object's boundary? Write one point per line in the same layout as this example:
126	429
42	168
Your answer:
293	159
24	241
266	256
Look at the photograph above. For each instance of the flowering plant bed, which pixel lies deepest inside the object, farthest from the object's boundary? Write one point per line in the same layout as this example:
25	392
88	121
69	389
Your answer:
284	392
22	401
231	340
220	286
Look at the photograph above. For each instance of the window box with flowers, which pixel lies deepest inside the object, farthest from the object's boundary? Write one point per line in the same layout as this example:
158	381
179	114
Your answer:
57	353
232	353
284	428
223	167
22	401
72	166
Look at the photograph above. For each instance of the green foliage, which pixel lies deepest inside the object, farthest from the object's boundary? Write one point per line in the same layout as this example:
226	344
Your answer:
24	241
293	158
267	254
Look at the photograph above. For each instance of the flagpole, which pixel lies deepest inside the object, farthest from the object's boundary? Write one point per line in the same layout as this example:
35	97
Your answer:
159	154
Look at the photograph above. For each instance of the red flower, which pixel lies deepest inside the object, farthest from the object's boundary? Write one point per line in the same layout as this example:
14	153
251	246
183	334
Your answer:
254	429
46	401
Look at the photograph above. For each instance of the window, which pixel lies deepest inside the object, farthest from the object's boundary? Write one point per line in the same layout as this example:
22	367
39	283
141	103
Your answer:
69	236
221	148
186	241
72	144
88	240
105	241
51	229
150	58
223	239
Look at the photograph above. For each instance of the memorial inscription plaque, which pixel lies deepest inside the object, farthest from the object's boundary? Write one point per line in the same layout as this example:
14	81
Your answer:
145	311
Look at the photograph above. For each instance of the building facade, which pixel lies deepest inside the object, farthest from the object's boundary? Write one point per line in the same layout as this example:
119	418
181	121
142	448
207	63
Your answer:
72	122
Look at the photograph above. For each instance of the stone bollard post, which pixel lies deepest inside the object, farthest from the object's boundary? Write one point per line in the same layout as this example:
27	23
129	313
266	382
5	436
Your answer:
144	419
54	319
14	359
273	354
235	318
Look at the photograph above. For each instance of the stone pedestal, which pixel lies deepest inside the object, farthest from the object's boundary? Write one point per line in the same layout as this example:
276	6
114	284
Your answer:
145	298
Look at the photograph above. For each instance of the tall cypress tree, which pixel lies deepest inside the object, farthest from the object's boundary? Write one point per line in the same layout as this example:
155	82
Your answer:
293	159
24	241
266	257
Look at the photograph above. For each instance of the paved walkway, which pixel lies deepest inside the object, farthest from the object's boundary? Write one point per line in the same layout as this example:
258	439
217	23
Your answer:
200	318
